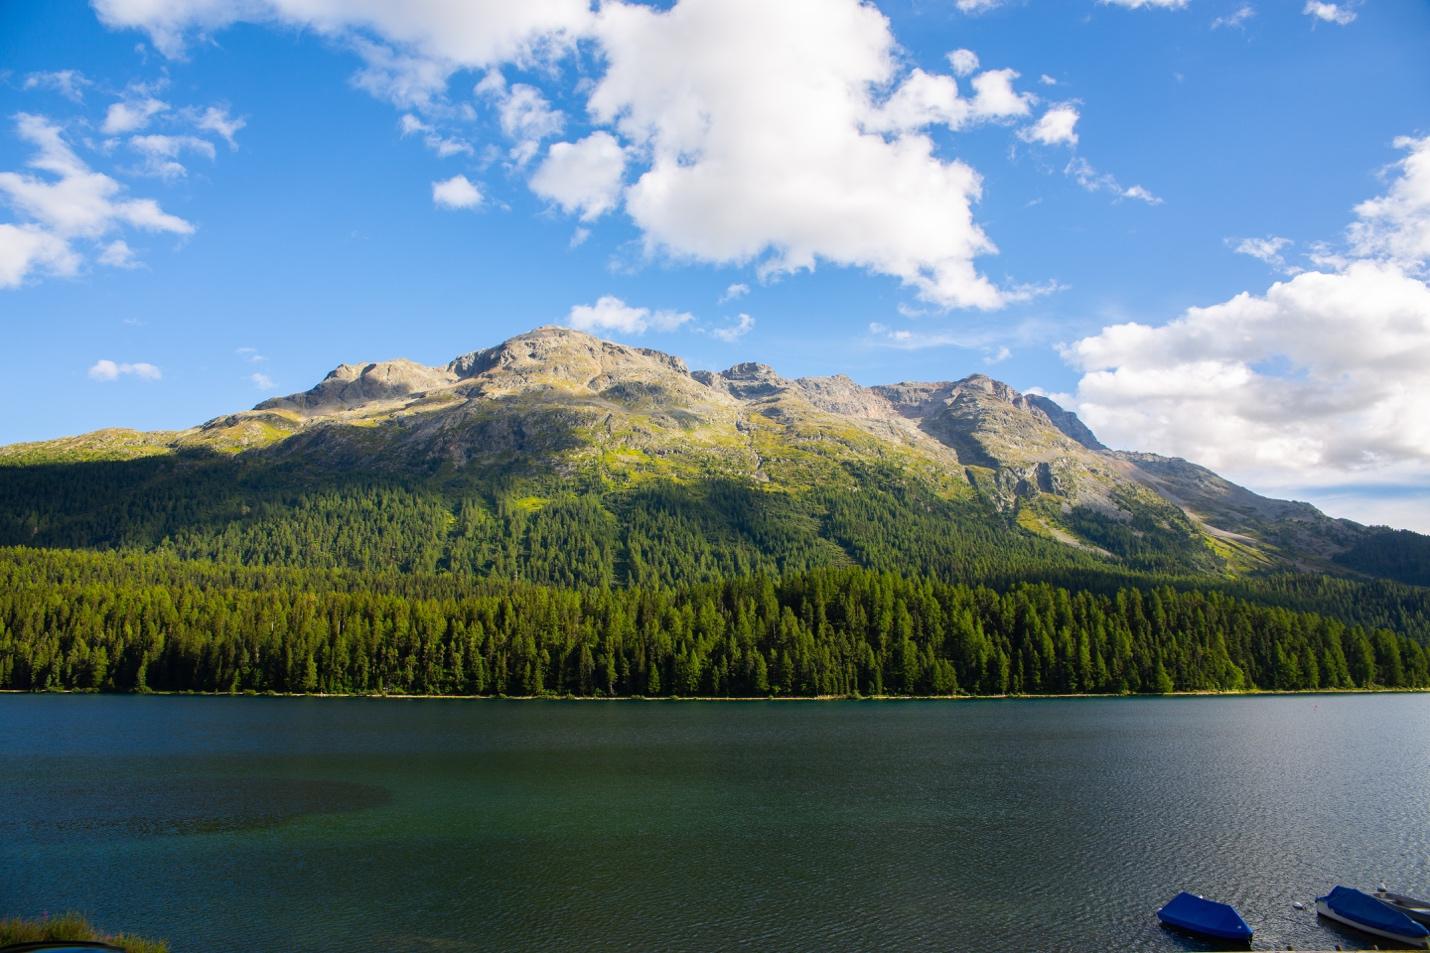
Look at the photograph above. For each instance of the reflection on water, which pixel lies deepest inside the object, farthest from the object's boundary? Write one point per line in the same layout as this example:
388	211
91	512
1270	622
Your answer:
340	824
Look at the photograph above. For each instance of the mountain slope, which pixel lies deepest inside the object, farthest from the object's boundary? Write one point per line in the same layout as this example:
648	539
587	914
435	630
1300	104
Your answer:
561	457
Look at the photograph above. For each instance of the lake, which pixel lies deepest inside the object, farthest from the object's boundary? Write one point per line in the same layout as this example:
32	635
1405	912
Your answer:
294	824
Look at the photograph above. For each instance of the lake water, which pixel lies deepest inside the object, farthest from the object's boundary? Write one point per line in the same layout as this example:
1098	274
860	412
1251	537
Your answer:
446	825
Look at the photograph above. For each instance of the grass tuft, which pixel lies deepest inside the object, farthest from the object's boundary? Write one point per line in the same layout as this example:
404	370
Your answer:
71	926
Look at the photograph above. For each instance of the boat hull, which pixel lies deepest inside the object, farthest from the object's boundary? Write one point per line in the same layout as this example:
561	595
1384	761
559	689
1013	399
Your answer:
1415	942
1417	910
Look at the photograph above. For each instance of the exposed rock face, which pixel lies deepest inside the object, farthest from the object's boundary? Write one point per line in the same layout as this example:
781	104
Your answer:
352	386
564	401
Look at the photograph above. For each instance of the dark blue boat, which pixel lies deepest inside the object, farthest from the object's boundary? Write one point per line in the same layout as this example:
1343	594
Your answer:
1194	914
1369	915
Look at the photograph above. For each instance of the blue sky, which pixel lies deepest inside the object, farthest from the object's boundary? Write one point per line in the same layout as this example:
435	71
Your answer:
1211	218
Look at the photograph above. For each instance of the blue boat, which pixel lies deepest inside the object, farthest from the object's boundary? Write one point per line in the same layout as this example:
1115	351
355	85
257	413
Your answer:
1369	915
1194	914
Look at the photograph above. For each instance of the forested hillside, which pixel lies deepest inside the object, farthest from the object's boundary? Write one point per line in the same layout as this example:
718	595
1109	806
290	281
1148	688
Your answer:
563	514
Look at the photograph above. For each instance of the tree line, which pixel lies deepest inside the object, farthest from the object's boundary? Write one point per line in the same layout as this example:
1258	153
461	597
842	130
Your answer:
137	623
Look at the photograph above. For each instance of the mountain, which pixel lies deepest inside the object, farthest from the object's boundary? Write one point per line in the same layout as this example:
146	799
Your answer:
560	457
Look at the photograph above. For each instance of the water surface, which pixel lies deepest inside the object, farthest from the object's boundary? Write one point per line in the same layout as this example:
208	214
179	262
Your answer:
450	825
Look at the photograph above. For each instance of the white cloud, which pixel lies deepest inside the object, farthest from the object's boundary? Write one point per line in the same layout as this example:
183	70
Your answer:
27	248
422	44
1141	194
964	62
737	290
1140	4
443	146
1057	126
1092	180
610	313
250	354
737	174
106	370
975	7
733	332
161	153
1047	80
456	192
1397	225
1237	18
527	118
582	176
904	339
69	202
68	83
472	35
215	119
1317	381
261	380
118	254
998	356
838	168
1340	14
80	201
131	115
1266	250
1209	385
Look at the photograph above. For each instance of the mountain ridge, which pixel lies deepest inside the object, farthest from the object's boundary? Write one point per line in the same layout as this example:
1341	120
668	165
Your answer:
556	412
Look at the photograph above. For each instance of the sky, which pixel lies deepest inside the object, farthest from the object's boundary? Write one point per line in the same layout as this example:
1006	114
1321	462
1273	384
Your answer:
1204	225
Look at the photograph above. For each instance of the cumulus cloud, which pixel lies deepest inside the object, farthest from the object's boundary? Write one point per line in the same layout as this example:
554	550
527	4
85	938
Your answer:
733	332
105	370
738	290
1057	126
130	115
738	175
446	35
118	254
524	114
1318	380
261	380
839	168
610	313
456	192
963	62
1397	225
1340	14
68	201
28	248
582	177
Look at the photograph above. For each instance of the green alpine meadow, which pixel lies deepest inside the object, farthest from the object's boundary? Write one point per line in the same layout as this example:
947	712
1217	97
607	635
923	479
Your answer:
565	515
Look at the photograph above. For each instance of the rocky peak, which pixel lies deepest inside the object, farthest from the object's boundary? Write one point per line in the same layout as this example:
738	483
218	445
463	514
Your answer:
746	381
348	386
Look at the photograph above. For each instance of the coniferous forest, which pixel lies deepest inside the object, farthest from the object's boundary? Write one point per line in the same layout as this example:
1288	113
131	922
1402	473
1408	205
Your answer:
122	577
135	623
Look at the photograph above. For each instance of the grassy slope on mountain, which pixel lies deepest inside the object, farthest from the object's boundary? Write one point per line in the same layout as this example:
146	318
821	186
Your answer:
556	457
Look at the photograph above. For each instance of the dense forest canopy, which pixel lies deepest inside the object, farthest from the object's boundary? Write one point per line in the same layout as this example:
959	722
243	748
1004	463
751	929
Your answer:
112	622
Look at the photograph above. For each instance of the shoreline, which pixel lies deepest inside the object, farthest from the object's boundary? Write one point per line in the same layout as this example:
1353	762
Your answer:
402	696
